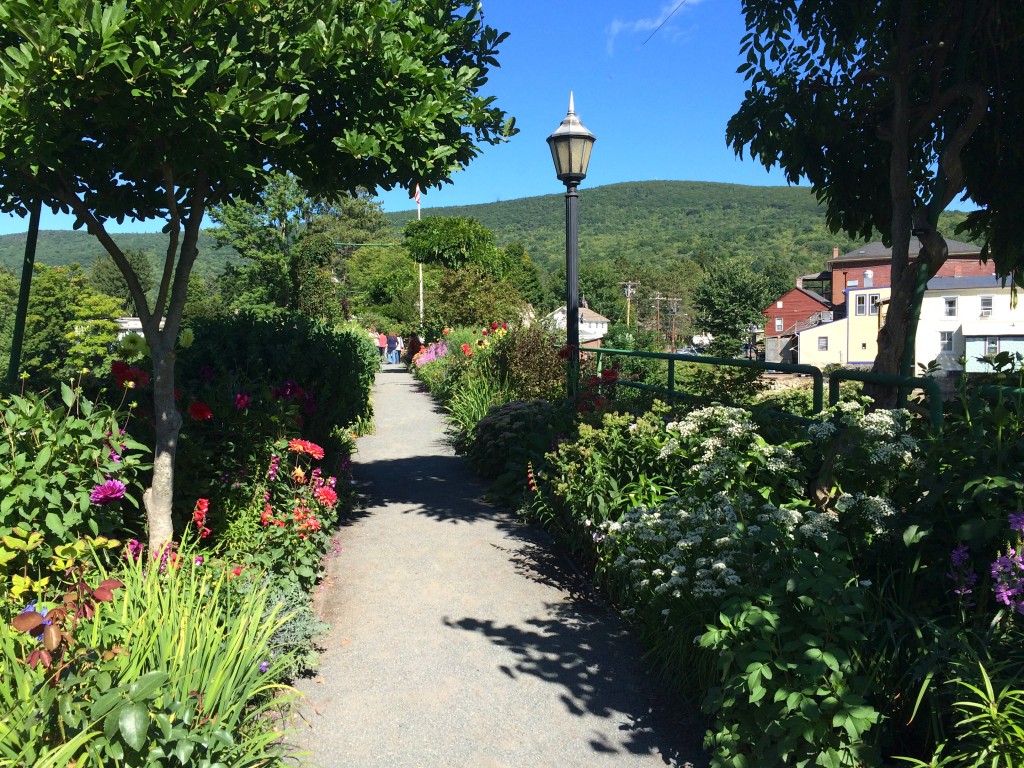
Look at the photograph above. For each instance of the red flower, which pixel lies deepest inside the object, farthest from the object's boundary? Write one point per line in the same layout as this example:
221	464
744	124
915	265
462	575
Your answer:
128	376
199	517
307	448
609	375
326	496
494	325
466	350
241	401
236	571
200	411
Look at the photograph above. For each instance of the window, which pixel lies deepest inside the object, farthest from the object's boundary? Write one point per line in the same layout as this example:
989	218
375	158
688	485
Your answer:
823	343
778	325
950	302
862	304
873	304
986	306
991	346
945	341
778	304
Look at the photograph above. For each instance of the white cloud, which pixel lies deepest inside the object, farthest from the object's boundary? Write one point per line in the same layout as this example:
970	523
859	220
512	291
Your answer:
647	26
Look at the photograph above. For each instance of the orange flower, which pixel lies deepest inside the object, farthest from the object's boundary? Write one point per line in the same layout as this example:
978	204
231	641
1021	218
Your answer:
307	448
298	475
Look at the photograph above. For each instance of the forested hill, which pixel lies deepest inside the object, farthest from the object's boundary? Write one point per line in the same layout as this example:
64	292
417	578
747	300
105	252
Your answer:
61	247
654	222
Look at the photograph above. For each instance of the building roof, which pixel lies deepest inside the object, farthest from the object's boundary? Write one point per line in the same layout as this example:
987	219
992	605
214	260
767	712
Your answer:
877	250
986	327
816	296
586	315
967	281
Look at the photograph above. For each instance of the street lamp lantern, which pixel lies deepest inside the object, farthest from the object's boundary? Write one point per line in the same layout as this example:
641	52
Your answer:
570	150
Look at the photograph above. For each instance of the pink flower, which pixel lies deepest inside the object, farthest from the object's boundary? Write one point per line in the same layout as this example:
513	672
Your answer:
108	492
241	401
306	447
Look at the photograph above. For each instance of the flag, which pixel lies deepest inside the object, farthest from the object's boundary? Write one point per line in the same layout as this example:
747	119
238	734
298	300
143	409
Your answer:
416	195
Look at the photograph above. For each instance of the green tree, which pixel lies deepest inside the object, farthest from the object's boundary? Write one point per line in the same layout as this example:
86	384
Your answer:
105	277
68	327
383	286
730	299
314	282
452	242
9	286
525	276
164	108
891	111
472	297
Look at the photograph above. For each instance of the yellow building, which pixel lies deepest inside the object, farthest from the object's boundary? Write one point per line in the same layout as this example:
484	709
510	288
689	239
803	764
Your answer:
850	341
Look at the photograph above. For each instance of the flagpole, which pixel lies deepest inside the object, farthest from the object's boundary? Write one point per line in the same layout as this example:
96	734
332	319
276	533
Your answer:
421	263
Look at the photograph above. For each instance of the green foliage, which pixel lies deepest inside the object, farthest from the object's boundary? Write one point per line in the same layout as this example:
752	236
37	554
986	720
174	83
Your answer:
114	687
792	686
472	297
526	360
53	453
237	355
452	242
730	299
68	328
316	295
476	395
105	277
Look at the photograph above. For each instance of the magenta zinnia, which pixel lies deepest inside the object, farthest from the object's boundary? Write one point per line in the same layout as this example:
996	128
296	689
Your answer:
108	492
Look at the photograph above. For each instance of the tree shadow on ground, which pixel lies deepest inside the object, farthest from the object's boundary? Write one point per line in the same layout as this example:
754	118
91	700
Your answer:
583	647
591	657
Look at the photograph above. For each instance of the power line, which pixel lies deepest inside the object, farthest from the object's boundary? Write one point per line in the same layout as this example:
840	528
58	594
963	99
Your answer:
681	2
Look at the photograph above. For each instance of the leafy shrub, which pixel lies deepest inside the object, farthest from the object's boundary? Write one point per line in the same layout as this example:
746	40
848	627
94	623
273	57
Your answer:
527	361
67	469
334	370
510	438
476	396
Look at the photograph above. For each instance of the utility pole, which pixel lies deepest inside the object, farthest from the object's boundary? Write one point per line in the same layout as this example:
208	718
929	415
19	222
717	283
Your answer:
658	298
673	308
629	288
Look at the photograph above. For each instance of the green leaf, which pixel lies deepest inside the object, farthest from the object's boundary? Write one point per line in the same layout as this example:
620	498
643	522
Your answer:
146	686
133	722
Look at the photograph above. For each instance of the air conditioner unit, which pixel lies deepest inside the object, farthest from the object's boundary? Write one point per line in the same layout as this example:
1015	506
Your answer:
826	317
986	313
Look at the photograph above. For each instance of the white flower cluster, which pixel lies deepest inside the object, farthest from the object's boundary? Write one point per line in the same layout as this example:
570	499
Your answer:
875	512
819	524
691	546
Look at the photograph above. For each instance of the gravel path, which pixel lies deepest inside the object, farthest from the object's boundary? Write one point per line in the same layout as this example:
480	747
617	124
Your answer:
460	637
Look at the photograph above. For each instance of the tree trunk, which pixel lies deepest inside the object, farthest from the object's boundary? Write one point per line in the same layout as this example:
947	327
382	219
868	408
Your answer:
159	496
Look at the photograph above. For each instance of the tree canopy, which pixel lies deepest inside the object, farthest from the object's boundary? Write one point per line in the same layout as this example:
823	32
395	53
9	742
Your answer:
161	108
891	110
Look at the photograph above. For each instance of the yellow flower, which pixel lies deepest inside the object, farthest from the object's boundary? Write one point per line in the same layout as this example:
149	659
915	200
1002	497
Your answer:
298	475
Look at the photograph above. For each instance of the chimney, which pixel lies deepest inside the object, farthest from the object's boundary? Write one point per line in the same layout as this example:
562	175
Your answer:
835	251
800	281
958	270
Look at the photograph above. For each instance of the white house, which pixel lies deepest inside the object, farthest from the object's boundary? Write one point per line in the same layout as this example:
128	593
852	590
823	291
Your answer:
593	327
967	317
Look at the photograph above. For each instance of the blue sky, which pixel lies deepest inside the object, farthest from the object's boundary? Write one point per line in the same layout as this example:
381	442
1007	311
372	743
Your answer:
656	90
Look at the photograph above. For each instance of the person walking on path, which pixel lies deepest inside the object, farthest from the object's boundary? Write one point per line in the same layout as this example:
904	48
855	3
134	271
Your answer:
459	638
391	342
382	343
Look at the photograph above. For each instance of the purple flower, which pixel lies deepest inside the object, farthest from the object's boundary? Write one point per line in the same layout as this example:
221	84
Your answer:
264	666
108	492
960	556
1008	574
198	560
134	549
275	462
1017	521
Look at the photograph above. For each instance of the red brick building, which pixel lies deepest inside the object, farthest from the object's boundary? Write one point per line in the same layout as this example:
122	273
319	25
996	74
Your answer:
794	311
871	266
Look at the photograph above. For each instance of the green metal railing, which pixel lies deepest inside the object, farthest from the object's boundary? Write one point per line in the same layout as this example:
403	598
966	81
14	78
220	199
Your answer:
905	383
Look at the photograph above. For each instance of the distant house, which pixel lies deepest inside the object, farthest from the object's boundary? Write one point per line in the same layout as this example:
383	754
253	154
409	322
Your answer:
838	323
967	318
789	314
593	327
850	341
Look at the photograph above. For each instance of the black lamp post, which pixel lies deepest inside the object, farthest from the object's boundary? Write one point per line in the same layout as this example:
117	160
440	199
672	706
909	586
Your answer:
570	149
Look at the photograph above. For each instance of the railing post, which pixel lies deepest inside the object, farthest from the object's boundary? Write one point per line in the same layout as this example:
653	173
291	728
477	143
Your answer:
672	379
